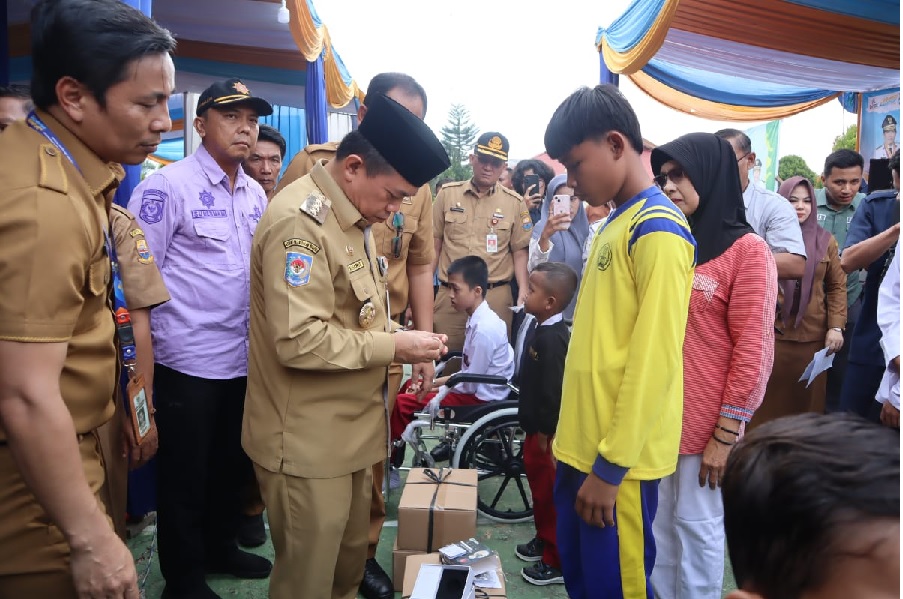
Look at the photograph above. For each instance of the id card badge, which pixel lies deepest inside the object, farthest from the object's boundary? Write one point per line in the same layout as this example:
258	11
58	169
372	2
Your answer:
139	408
492	243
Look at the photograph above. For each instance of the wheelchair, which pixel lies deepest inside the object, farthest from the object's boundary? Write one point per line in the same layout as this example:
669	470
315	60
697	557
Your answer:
487	438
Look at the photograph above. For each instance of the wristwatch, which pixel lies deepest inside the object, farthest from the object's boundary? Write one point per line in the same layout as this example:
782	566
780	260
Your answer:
838	329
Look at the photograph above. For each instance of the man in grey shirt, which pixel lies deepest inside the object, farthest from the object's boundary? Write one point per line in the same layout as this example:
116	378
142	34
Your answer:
770	215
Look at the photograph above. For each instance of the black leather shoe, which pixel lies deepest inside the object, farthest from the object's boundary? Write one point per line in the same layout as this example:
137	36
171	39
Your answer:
376	584
251	531
441	452
203	592
241	564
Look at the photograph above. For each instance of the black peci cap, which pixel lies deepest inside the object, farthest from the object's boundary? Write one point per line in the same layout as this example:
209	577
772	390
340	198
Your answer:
405	141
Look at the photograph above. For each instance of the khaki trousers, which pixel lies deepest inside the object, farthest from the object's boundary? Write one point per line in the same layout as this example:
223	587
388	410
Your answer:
34	555
447	320
377	502
116	470
319	531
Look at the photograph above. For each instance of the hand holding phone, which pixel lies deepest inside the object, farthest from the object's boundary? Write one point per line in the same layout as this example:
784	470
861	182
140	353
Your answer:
531	185
561	204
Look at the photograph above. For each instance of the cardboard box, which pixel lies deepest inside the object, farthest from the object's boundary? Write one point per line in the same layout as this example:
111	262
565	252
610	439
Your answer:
443	498
399	558
412	568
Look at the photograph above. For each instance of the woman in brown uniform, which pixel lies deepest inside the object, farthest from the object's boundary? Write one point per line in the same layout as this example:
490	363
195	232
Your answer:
811	315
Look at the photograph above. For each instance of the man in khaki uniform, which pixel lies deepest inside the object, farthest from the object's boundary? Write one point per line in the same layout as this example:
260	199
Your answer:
406	241
58	171
320	344
481	218
144	289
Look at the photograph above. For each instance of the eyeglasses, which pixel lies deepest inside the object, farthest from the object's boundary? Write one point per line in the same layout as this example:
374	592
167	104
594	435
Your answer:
398	225
742	158
676	175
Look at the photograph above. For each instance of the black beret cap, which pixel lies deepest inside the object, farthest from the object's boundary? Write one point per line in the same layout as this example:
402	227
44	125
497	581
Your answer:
405	141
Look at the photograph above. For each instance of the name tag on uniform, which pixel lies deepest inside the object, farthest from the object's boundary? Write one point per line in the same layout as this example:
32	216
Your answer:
492	243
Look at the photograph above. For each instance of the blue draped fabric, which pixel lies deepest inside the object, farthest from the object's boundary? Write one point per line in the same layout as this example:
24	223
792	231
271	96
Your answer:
628	29
4	47
850	101
315	103
606	76
729	89
882	11
291	124
132	172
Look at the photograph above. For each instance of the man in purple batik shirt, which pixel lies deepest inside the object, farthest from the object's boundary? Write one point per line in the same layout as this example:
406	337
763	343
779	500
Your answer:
199	216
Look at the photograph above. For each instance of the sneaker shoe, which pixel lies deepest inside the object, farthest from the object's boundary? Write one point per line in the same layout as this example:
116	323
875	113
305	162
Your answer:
542	574
394	478
530	552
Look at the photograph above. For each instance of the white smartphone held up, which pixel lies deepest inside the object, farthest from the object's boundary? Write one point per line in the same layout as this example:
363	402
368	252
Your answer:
561	204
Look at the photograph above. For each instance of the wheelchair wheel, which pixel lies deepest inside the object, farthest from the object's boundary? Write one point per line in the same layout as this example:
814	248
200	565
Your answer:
494	446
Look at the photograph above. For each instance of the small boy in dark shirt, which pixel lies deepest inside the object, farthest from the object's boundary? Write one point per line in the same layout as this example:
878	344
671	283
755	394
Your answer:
551	287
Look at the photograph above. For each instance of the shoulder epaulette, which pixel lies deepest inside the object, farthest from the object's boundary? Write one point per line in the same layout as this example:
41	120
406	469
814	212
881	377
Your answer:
511	192
329	146
53	174
316	206
454	184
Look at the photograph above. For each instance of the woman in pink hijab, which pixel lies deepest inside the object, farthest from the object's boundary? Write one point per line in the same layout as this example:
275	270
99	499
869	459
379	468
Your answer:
812	313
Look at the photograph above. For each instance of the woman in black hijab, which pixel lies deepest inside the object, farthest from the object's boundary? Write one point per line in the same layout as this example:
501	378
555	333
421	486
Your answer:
728	354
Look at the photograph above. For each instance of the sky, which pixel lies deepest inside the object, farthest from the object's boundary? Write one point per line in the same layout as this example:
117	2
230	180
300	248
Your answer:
512	62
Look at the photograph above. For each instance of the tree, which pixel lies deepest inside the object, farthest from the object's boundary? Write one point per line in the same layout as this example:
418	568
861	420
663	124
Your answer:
793	165
847	141
458	138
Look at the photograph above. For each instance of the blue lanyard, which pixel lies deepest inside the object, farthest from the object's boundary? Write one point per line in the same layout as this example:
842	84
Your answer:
121	315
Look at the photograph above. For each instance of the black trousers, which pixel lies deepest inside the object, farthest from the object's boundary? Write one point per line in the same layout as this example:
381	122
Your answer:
838	371
201	467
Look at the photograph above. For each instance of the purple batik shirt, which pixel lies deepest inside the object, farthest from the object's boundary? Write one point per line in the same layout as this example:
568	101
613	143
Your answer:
200	235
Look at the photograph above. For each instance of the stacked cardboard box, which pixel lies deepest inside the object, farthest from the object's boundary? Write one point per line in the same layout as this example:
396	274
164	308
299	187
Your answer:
438	506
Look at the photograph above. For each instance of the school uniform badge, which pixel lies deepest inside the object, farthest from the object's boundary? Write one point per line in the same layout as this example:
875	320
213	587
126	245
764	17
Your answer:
297	268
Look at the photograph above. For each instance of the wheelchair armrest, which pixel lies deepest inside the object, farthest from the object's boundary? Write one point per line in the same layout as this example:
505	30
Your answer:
446	359
468	377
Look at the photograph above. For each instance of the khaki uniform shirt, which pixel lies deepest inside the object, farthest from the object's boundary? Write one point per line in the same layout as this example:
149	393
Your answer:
416	235
463	221
54	270
141	280
319	346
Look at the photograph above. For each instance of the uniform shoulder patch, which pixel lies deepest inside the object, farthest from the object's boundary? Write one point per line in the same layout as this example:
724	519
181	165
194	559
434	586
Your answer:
310	246
327	147
144	253
297	268
316	206
454	184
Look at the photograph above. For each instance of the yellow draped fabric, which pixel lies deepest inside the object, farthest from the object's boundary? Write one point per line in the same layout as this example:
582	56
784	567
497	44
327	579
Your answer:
717	111
636	58
313	41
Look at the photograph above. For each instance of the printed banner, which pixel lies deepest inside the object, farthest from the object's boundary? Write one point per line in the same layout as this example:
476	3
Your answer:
878	124
764	140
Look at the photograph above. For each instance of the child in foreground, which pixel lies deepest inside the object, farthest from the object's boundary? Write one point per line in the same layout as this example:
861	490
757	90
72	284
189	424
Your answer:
551	287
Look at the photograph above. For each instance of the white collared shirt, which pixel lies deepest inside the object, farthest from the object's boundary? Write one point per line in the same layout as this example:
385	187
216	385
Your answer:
487	351
889	323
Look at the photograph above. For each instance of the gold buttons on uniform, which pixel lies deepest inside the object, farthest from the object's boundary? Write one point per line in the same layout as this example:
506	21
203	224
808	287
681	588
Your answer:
49	151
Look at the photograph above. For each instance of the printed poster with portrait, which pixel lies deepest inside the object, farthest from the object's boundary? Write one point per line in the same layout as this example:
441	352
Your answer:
879	119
